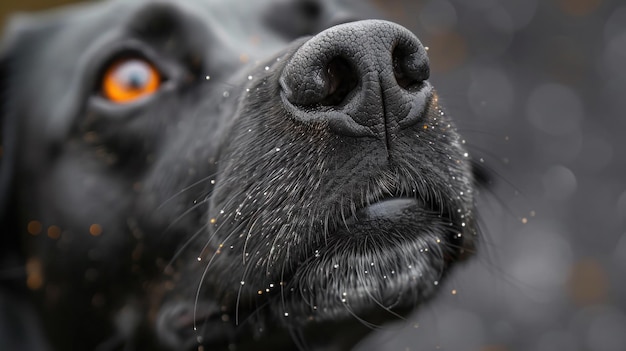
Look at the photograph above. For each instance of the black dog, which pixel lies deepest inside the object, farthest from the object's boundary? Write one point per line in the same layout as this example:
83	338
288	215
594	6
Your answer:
221	174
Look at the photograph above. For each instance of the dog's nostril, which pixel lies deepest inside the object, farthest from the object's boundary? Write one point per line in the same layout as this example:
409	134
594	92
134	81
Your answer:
342	79
410	68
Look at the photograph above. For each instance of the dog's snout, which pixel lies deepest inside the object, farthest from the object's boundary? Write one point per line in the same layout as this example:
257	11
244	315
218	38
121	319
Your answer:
348	75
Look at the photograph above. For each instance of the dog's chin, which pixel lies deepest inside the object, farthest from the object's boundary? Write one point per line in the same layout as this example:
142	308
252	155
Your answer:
375	266
382	260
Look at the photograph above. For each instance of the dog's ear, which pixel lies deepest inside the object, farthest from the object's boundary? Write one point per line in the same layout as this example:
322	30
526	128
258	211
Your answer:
19	325
14	44
14	35
8	130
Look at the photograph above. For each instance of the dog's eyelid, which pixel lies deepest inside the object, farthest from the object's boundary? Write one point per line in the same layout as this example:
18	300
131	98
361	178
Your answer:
130	71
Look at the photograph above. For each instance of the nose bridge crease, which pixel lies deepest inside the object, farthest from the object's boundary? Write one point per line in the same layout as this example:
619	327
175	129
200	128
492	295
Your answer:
386	134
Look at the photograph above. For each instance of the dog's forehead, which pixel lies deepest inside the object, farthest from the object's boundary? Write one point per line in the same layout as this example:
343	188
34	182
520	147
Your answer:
257	26
229	29
69	39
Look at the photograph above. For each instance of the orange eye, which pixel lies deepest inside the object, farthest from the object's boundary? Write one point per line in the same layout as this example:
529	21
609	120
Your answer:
127	80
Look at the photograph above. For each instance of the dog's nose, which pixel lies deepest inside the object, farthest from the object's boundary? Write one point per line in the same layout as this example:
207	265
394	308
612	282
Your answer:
364	78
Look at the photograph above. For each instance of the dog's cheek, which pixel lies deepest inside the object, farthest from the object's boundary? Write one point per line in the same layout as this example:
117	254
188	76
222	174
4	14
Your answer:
82	210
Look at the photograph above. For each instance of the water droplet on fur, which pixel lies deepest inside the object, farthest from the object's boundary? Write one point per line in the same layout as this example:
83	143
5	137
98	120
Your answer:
436	282
249	77
226	94
243	282
267	68
199	259
286	314
207	77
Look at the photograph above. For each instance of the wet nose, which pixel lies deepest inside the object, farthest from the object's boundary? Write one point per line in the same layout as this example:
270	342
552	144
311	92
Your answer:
363	78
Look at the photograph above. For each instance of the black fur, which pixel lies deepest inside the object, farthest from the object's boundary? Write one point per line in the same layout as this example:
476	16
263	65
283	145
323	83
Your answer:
282	188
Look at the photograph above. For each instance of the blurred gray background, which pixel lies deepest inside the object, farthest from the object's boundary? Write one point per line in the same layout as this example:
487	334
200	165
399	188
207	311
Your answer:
538	90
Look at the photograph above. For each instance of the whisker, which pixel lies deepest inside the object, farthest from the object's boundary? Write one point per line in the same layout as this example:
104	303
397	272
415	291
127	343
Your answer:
298	338
343	215
185	189
380	304
281	283
182	215
369	325
273	246
243	281
205	272
181	249
248	236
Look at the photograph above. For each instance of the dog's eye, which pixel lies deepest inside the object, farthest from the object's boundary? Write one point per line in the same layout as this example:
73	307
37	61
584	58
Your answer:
127	80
